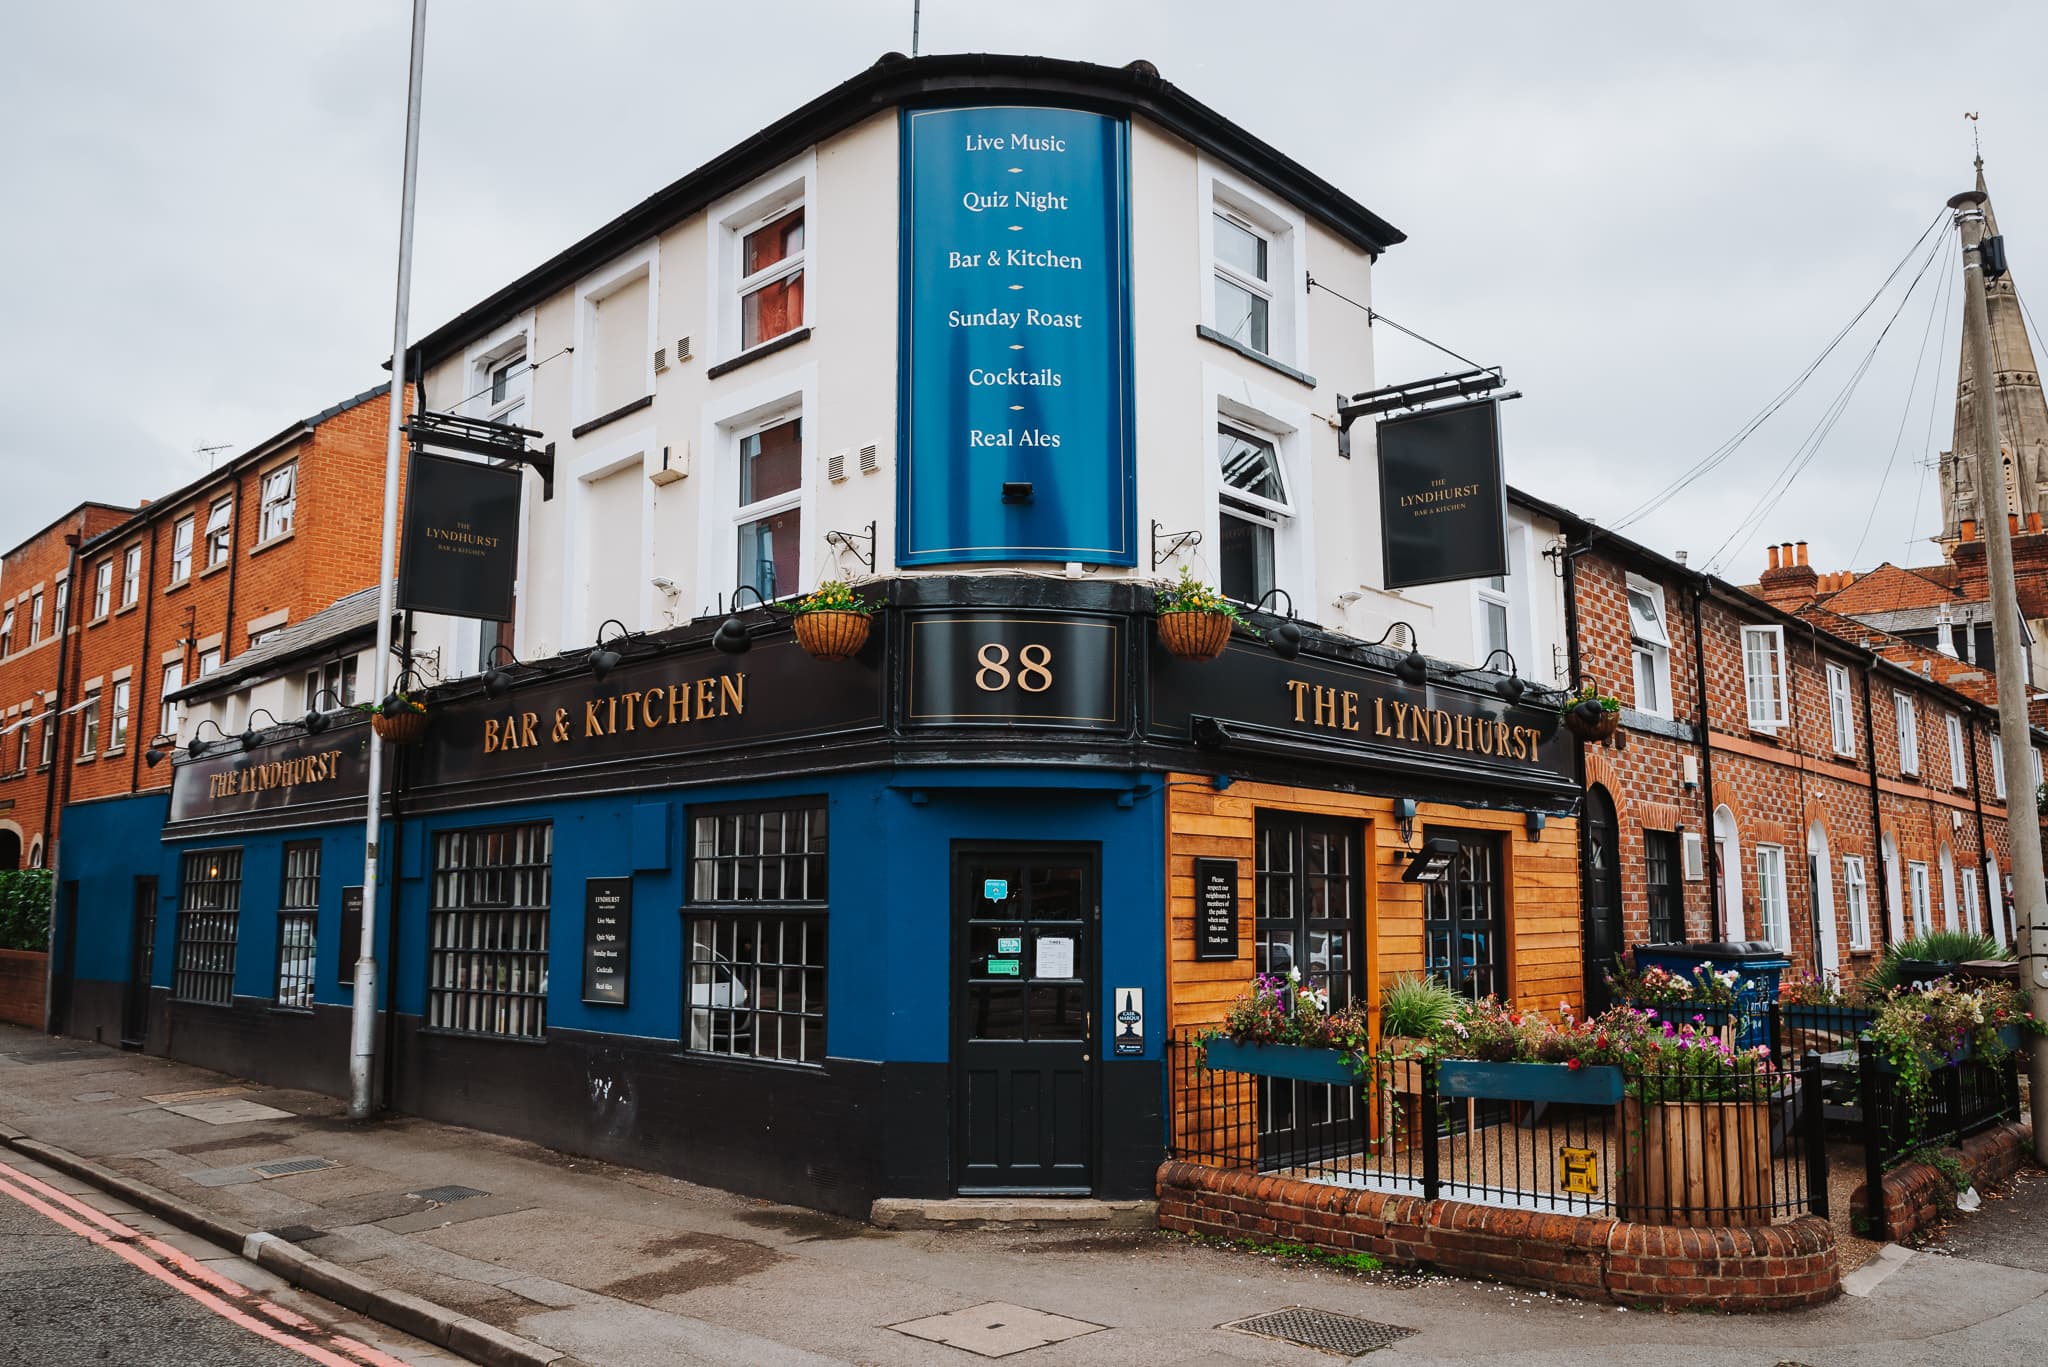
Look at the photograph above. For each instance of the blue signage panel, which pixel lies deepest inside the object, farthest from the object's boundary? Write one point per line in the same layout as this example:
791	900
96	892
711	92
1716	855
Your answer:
1016	365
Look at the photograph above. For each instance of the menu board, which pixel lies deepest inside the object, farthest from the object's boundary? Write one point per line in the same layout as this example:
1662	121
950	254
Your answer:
1215	909
607	939
1016	369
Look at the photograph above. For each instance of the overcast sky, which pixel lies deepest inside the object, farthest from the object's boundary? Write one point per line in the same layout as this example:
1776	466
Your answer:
1653	216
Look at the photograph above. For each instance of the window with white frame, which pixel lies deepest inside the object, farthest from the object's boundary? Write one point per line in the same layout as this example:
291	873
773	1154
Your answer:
1909	733
1770	895
507	379
49	731
1254	507
220	531
1763	676
209	661
1997	767
280	501
769	515
1244	280
1490	598
1857	891
1251	256
7	631
102	589
771	278
131	575
167	714
89	726
28	714
62	608
1841	721
2034	753
35	617
117	716
1973	908
1919	896
332	686
181	550
1649	647
1958	765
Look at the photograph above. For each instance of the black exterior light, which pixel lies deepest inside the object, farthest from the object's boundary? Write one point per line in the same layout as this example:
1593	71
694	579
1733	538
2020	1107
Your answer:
316	720
1412	669
196	747
732	637
498	679
154	755
1510	685
1432	863
251	737
1283	637
603	658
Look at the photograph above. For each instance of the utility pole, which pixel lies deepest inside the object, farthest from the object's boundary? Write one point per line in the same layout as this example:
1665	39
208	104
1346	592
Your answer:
2029	896
363	1021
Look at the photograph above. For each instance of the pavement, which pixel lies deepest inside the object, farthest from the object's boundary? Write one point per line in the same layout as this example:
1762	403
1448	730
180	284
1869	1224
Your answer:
512	1254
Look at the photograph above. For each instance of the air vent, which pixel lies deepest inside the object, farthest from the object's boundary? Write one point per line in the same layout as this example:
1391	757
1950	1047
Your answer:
682	350
870	459
835	467
660	359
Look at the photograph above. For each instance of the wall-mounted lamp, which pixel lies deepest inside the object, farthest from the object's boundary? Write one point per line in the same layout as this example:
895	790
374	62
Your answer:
1535	823
498	678
1284	636
316	719
603	658
196	747
1411	669
731	637
251	737
1404	812
1016	491
1432	863
1510	685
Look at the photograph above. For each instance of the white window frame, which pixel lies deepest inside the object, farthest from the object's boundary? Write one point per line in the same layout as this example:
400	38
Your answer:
224	535
277	513
593	290
1997	767
186	529
1841	717
1947	861
169	714
1973	906
131	575
28	716
1646	648
743	514
89	726
1246	506
1772	896
1228	400
774	273
61	608
7	630
1906	720
1767	713
35	617
102	588
1958	762
1286	234
118	695
1856	889
214	654
1919	897
793	393
729	221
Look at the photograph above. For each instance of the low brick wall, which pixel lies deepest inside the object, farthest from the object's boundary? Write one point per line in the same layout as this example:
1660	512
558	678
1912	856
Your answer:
1916	1194
22	974
1775	1267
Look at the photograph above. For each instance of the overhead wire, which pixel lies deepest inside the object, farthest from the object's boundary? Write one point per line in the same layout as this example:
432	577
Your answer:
1937	308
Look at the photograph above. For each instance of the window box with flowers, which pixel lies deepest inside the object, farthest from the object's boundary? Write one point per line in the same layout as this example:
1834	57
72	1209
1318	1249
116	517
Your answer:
831	622
1280	1027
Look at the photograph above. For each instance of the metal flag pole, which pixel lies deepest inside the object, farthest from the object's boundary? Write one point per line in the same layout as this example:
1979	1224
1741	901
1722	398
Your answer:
362	1025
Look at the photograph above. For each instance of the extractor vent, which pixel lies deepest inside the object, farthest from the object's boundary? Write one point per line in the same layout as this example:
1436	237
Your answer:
870	459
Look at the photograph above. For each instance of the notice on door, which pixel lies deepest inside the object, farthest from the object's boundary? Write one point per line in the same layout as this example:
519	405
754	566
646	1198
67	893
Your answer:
1215	909
607	939
1055	957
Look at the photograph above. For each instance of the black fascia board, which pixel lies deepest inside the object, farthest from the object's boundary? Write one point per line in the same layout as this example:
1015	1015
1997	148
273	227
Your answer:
896	81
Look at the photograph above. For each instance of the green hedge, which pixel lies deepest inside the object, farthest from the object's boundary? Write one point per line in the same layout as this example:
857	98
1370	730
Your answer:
25	909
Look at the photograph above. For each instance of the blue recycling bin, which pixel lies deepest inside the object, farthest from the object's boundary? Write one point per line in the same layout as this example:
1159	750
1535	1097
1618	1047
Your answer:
1760	963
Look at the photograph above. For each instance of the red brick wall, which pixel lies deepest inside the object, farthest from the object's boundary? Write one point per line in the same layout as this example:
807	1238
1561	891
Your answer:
22	974
1775	1267
1916	1194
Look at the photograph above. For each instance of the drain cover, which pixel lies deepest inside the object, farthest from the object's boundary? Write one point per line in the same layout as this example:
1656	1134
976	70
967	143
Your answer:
1324	1329
443	1195
285	1167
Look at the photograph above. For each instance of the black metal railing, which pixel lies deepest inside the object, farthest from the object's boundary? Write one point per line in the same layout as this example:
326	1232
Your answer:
1677	1144
1902	1118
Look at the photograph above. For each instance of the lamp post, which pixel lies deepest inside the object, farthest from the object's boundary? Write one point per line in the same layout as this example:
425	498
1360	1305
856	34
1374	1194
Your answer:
2029	897
362	1023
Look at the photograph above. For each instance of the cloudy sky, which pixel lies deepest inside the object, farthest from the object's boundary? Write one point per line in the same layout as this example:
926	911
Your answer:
1654	217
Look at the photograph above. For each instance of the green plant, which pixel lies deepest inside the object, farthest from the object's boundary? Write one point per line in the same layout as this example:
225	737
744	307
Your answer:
1589	693
1414	1005
25	909
395	702
1655	986
1922	1032
1800	988
1189	594
1939	946
1276	1010
1946	1162
1350	1262
834	595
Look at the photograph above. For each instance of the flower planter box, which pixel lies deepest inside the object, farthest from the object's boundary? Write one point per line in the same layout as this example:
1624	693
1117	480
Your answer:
1295	1061
1696	1162
2010	1036
1599	1085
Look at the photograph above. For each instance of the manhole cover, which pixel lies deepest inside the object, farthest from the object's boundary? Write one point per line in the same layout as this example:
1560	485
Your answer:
285	1167
443	1195
1324	1329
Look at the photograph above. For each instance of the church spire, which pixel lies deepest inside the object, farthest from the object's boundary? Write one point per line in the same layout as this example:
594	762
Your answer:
2022	414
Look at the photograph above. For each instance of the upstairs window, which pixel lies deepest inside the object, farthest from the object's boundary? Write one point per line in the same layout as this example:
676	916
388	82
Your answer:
167	716
1909	733
131	575
770	516
7	631
332	686
508	383
181	551
1997	767
1244	287
1255	506
1958	768
220	532
117	717
209	661
280	501
28	715
35	617
1841	721
1763	676
771	284
1492	598
89	727
102	589
62	607
1649	647
1857	891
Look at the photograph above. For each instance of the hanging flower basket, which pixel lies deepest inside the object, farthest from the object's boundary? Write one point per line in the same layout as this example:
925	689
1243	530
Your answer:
832	635
1590	714
400	728
1195	636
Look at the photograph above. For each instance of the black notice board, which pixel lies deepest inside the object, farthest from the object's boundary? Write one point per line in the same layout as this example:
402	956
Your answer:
351	935
1215	909
461	542
1443	502
607	939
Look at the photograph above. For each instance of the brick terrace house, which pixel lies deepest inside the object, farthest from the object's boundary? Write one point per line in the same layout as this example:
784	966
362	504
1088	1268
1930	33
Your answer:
1783	773
180	588
35	594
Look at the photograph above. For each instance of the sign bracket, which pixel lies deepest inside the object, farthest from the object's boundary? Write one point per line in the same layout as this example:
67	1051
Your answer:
1414	394
848	542
492	440
1176	543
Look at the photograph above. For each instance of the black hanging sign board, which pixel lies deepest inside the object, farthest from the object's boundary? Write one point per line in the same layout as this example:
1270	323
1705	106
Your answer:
607	939
1443	501
461	548
1215	909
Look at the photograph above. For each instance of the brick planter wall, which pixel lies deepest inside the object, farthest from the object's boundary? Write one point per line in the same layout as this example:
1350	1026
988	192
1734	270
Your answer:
1776	1267
1916	1194
22	974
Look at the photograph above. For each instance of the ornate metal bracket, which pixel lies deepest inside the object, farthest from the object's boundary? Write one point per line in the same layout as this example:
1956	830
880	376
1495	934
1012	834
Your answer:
848	541
1176	543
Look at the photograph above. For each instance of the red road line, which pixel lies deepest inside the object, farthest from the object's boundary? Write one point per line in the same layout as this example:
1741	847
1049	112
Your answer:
190	1277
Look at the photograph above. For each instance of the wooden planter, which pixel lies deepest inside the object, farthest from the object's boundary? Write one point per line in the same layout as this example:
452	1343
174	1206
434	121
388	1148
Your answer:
1194	636
1599	1085
831	635
1696	1162
400	728
1295	1061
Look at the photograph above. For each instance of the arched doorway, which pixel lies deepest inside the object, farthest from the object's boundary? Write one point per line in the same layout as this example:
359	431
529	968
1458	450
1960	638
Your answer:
1728	855
1820	883
10	849
1600	836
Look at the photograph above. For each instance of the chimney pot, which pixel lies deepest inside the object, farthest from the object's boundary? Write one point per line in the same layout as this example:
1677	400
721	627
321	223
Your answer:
1969	529
1774	557
2012	524
1802	552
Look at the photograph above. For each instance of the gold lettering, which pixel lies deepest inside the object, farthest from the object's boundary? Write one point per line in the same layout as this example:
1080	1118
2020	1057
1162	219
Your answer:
591	725
1443	727
611	711
707	698
1485	736
490	734
1379	716
731	689
649	716
1326	706
992	658
678	704
1401	711
561	728
631	698
1350	711
1461	735
1299	688
526	722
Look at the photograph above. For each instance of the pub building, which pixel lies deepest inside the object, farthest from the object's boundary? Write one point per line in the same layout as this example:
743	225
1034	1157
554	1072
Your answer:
1007	342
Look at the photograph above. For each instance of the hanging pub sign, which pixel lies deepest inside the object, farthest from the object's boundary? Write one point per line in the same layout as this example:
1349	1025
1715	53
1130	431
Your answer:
461	547
1215	909
607	939
1443	501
